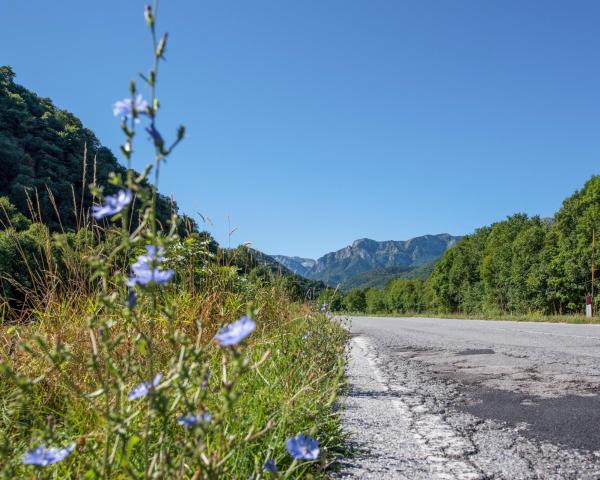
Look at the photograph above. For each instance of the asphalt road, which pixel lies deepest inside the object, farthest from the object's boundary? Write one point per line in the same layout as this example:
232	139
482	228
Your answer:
468	399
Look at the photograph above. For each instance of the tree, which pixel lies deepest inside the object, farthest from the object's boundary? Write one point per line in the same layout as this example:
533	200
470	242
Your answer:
355	301
375	300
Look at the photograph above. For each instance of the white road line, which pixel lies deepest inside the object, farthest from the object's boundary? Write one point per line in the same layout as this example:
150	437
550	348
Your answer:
443	448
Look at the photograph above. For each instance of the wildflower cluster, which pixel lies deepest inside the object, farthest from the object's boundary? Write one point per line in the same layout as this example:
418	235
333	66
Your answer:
145	269
159	414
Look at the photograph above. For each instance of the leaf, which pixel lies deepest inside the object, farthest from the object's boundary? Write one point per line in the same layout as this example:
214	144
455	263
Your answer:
130	446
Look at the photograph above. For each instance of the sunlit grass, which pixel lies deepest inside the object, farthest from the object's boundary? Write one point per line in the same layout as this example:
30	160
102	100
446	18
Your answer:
292	391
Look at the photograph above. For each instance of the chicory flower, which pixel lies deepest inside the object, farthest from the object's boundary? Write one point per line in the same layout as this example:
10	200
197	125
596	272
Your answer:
235	332
189	419
126	108
302	447
112	204
270	466
43	456
145	269
144	388
131	301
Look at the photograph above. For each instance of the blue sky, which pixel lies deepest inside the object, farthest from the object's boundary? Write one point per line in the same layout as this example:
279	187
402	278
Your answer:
313	123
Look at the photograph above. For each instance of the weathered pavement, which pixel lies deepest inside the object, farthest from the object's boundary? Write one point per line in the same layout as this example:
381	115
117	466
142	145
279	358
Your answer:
469	399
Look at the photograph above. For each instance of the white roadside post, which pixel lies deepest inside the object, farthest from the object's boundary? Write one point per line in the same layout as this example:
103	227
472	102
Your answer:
588	306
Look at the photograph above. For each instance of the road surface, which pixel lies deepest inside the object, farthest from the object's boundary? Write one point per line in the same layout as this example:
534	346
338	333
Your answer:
469	399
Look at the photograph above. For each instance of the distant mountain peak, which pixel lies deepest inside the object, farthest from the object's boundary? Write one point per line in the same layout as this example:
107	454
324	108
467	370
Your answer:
365	254
364	242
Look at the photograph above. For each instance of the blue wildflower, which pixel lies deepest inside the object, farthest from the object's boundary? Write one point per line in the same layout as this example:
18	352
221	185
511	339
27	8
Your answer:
112	204
235	332
145	269
155	253
270	466
150	275
126	108
144	388
43	456
131	301
324	307
302	447
189	419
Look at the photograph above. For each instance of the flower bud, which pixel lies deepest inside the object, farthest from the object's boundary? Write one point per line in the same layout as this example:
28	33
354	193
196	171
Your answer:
162	45
148	15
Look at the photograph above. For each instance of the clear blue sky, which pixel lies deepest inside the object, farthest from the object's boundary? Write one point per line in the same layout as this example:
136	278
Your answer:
315	122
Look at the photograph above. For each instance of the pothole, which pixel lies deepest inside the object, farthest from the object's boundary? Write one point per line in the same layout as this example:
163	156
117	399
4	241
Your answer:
476	351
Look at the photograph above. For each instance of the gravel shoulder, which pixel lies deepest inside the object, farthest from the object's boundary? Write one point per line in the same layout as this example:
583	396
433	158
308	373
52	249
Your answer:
452	399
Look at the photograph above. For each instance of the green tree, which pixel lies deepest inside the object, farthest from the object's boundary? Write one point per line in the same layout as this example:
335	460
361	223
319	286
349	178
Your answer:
331	297
375	300
355	301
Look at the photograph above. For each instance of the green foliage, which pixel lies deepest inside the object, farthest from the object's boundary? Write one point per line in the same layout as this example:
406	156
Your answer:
355	301
24	256
263	268
10	217
376	301
332	298
499	269
43	170
380	277
404	296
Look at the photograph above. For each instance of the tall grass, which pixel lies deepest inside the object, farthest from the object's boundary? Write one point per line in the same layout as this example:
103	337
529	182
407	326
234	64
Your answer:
293	389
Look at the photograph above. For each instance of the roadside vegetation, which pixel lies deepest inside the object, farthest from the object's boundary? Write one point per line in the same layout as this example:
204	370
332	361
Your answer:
522	267
131	345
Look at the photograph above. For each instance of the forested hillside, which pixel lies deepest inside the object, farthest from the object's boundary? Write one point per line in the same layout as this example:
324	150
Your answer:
42	169
380	277
519	265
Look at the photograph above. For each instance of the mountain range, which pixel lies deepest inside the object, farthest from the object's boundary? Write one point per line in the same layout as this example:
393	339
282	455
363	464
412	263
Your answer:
372	263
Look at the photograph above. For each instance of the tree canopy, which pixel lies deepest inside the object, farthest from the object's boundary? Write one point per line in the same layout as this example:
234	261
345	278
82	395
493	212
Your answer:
43	170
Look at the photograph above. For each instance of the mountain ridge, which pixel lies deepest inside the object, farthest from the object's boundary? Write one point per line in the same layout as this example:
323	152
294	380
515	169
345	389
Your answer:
365	254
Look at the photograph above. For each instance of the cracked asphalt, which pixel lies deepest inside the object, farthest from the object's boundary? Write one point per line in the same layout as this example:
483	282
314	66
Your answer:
468	399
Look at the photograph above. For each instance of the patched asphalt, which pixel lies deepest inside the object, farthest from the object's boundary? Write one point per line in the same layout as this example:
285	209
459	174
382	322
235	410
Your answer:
468	399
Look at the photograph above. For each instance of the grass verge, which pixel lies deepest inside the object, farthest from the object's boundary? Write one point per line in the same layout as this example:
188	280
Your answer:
294	390
528	317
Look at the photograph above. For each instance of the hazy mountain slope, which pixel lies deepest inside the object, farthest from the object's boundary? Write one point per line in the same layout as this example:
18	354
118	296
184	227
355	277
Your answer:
365	255
256	263
298	265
